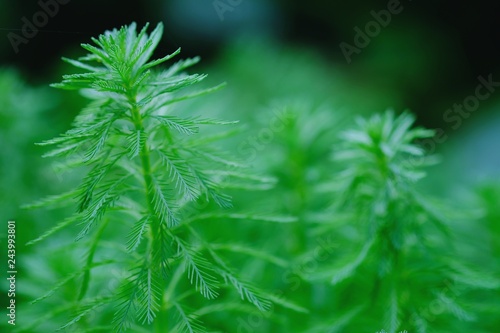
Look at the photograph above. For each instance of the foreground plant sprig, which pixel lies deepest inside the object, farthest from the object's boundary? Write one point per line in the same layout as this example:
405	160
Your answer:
146	166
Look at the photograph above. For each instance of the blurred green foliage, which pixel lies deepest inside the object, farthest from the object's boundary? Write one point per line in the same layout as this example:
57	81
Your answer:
293	107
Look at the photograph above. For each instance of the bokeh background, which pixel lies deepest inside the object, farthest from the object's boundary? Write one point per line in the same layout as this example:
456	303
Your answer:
270	52
428	57
431	53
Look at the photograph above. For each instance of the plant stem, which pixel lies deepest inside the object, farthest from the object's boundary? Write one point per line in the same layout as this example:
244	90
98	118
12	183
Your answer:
160	322
144	155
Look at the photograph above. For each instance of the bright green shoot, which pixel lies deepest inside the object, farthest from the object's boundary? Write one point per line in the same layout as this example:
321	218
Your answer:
147	169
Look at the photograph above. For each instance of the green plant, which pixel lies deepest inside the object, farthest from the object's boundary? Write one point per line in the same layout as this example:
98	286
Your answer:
403	243
148	177
20	101
370	249
488	248
21	172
